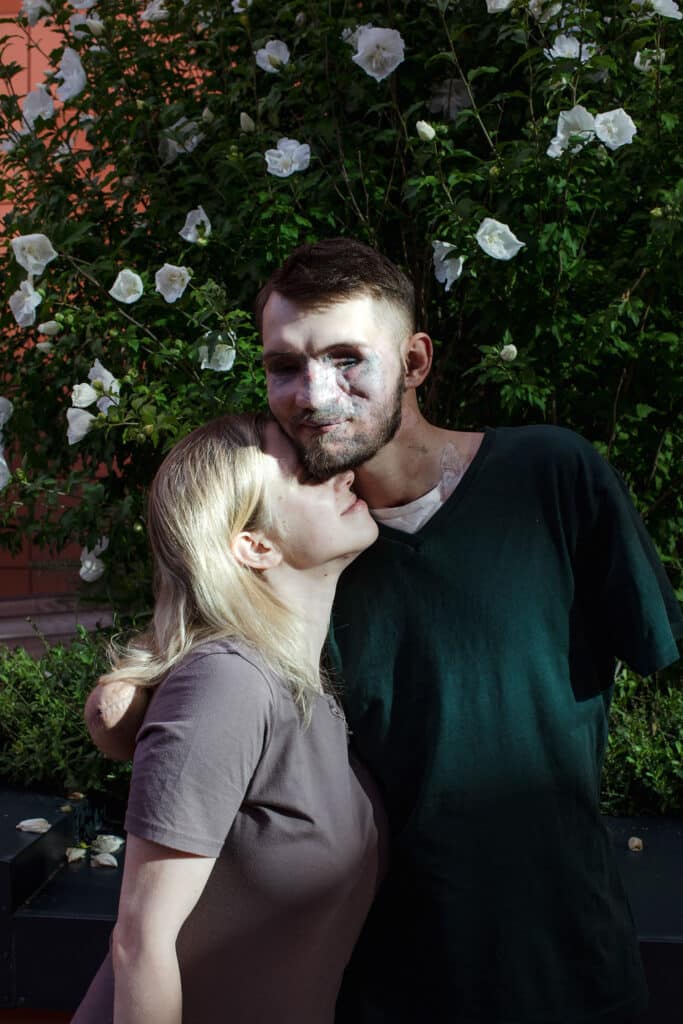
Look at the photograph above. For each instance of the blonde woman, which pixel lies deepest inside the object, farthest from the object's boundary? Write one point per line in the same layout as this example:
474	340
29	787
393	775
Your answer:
253	848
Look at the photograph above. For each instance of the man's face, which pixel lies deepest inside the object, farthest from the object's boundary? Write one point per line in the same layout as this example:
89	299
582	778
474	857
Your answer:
335	378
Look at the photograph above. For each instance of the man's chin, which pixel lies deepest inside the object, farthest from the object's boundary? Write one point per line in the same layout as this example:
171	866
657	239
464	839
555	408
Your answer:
324	456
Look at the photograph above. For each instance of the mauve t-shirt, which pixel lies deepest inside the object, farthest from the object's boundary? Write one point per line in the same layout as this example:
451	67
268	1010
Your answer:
225	768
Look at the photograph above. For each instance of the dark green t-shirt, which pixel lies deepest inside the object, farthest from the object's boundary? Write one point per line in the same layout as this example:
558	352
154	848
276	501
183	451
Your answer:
477	657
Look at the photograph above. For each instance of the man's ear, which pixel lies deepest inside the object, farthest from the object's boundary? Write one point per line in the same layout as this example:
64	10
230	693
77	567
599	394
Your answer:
253	549
417	358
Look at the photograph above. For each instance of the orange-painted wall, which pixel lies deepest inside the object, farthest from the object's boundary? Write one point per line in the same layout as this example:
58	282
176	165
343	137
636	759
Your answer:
33	571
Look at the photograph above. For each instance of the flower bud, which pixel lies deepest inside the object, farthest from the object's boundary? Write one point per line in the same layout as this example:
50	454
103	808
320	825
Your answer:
246	122
95	25
508	353
208	116
425	131
49	327
300	19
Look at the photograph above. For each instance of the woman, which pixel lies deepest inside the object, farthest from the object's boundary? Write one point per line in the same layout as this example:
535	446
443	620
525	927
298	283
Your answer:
253	846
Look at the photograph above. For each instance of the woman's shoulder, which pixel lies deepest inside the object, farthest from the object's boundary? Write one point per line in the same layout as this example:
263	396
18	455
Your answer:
218	674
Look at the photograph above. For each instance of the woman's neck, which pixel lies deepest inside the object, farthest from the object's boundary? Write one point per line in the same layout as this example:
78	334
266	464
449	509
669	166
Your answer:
309	594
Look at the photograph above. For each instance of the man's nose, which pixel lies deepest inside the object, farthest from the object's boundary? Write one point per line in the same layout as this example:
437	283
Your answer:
316	387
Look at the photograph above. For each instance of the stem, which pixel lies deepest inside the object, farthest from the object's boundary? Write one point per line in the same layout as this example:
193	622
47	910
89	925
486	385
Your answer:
464	81
615	406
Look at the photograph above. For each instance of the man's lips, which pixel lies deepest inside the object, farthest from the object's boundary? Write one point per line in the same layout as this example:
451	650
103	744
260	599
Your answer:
320	427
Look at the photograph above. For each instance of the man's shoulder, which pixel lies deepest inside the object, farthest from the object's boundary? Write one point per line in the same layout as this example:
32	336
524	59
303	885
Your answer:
547	445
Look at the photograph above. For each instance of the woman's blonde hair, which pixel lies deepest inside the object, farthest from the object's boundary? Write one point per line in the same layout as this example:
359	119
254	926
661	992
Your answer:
210	487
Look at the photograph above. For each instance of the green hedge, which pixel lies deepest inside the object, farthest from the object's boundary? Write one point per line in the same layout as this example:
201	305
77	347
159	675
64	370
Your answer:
43	739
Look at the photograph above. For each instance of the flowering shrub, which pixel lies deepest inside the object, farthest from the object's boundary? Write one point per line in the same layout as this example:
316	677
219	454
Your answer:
519	160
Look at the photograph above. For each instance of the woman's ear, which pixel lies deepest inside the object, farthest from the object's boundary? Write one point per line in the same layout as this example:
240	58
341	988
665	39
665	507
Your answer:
253	549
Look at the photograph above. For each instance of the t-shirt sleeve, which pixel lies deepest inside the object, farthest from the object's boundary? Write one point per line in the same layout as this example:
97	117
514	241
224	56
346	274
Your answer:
637	605
197	751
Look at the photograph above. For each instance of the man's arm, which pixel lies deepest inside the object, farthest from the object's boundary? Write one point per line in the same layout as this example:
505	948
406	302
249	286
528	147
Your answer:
113	715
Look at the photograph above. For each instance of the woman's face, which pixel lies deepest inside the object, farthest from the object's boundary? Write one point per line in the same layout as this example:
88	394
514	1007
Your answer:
316	523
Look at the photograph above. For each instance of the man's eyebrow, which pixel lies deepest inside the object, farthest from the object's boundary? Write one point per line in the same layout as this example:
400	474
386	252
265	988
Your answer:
269	357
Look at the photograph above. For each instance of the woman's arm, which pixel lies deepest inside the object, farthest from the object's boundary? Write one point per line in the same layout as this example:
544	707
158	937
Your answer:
160	888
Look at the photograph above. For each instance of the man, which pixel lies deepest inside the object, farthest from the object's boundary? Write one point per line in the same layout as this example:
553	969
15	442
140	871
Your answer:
476	640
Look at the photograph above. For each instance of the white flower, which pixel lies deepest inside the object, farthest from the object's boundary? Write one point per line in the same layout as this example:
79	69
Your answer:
379	51
77	25
544	10
97	374
6	410
9	143
104	860
37	825
237	6
49	327
449	98
33	10
37	103
5	475
425	131
72	75
497	240
446	269
508	353
645	60
107	844
665	8
23	304
222	358
197	226
92	567
155	11
246	123
83	395
290	156
83	5
570	48
577	123
495	6
171	281
182	137
273	56
44	346
615	128
127	287
74	853
33	252
79	423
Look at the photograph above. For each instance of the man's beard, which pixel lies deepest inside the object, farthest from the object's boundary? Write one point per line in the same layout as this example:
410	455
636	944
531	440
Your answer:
322	463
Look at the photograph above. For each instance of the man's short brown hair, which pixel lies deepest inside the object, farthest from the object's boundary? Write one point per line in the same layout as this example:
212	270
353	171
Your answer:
320	274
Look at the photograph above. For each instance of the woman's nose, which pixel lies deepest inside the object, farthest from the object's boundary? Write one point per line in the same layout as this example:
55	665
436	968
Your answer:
343	481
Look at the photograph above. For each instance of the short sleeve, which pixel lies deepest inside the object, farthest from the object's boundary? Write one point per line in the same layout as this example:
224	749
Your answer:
635	600
197	751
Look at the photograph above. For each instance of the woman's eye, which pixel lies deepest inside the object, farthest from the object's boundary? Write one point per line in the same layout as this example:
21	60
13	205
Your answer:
345	362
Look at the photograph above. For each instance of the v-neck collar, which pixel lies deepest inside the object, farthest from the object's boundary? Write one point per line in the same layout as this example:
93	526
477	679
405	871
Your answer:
413	540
